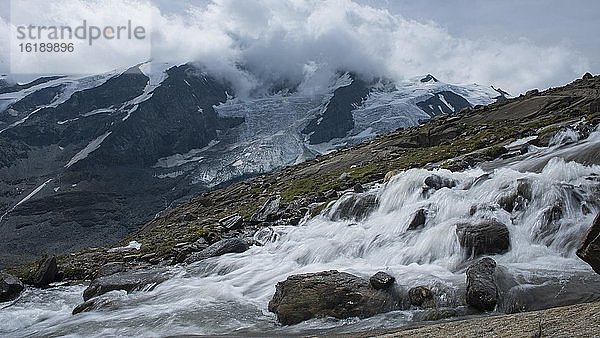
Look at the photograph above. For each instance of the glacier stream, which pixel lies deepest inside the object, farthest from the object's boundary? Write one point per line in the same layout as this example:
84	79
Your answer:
229	294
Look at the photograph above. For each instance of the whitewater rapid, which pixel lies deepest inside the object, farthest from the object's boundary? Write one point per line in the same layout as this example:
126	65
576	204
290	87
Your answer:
229	294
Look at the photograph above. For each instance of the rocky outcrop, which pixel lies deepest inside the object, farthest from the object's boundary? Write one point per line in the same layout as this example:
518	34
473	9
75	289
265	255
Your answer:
224	246
482	292
354	206
46	273
381	280
329	294
10	287
132	280
268	212
589	250
487	237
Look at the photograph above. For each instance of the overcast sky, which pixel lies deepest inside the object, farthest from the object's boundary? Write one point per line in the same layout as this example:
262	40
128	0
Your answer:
514	44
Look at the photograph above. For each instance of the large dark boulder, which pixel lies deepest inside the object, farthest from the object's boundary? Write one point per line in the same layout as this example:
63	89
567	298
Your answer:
224	246
10	287
487	237
354	206
418	221
133	280
329	294
589	250
46	273
482	292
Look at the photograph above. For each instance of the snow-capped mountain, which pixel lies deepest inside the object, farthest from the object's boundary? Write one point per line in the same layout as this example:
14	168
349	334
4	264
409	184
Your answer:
86	160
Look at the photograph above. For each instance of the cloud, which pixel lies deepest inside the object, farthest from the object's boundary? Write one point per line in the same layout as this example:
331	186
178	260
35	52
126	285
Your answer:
253	43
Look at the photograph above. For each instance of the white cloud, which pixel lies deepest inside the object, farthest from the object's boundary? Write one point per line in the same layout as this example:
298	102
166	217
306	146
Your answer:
307	40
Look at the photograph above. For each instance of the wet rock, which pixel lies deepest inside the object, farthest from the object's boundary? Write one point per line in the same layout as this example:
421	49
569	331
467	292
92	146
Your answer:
10	287
421	296
550	293
589	250
329	294
482	292
437	182
100	303
268	212
484	238
224	246
518	199
548	224
46	273
132	280
443	313
354	206
381	280
110	269
232	222
358	188
418	220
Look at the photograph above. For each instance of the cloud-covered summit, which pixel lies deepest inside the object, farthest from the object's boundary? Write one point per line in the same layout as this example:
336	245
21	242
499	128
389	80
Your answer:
307	41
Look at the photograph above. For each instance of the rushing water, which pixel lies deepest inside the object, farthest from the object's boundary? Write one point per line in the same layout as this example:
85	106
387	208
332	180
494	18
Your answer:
229	294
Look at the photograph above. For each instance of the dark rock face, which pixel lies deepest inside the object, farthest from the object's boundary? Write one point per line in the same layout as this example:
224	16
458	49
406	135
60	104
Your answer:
115	187
336	121
418	221
134	280
486	237
328	294
437	182
482	292
110	269
10	287
224	246
354	206
421	296
435	105
268	211
428	78
46	273
589	250
381	280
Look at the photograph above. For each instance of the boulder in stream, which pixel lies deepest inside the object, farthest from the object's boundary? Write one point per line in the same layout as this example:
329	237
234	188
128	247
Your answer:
482	291
589	250
46	273
224	246
329	294
487	237
354	206
131	280
10	287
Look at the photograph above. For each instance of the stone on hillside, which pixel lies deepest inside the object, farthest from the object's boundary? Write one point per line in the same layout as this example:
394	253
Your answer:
46	273
587	76
232	222
10	287
485	237
133	280
381	280
589	250
329	294
110	269
224	246
354	206
482	292
268	212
